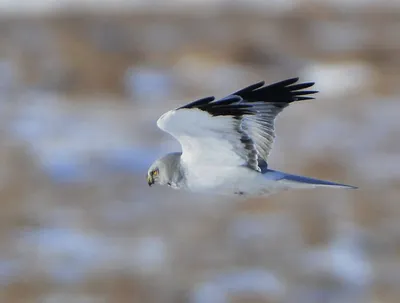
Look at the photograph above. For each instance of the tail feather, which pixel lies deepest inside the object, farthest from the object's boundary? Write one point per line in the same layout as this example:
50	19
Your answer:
301	181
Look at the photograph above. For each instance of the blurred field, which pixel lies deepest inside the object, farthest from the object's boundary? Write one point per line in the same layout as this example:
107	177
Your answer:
81	88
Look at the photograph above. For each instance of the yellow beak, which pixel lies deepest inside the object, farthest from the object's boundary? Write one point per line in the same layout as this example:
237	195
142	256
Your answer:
150	180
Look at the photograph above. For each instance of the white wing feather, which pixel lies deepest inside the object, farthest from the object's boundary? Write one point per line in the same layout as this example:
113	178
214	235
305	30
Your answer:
205	140
235	130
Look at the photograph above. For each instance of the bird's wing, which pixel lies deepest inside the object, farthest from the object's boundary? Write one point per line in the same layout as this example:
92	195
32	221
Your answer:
210	132
235	130
269	101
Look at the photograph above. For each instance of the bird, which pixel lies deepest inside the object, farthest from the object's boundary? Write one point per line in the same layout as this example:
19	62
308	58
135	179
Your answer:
226	143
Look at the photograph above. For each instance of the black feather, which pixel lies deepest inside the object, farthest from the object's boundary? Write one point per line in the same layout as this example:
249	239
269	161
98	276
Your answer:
300	86
228	106
249	88
303	98
198	103
280	92
273	99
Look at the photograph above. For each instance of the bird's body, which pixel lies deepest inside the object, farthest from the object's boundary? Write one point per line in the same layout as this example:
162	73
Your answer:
239	181
226	143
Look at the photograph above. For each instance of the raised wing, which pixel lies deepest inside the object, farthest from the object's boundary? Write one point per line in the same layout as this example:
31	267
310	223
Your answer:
269	101
209	137
235	130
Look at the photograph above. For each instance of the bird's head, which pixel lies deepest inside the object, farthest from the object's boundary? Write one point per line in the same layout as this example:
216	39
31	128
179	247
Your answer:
165	171
157	173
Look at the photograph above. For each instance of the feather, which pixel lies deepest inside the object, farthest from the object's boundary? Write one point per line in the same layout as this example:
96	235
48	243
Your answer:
240	125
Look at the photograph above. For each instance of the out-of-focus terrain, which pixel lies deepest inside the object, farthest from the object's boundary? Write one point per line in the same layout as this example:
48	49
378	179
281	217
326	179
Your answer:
81	86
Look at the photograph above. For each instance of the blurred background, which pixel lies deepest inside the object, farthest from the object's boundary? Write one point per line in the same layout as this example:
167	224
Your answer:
82	84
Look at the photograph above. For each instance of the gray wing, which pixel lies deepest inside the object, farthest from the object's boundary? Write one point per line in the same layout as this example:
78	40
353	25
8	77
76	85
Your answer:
243	121
269	101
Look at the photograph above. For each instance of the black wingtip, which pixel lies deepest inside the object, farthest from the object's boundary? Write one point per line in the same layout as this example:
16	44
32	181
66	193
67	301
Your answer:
303	93
249	88
283	92
199	102
286	82
303	98
280	94
300	86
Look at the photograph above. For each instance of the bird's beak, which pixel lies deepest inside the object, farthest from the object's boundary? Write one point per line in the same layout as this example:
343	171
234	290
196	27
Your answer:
150	180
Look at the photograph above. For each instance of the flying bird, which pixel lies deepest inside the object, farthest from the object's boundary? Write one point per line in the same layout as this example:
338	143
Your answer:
226	142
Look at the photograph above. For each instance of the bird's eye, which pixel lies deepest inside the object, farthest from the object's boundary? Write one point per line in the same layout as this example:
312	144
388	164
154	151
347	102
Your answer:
155	173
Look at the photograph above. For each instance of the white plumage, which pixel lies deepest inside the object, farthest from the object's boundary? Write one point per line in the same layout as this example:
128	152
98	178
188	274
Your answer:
226	143
205	140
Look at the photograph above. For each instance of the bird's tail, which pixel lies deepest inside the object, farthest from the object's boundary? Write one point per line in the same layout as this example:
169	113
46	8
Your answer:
296	181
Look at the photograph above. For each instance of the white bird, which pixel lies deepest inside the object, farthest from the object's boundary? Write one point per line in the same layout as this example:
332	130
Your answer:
226	143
